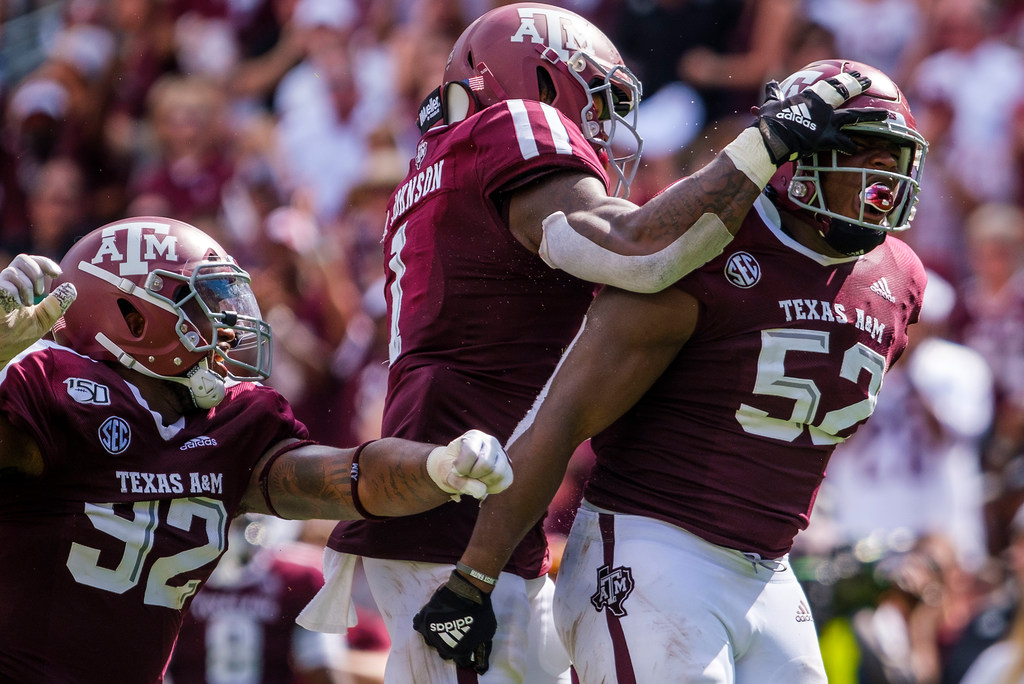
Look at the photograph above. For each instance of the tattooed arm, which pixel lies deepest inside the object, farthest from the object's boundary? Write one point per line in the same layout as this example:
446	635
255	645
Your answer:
570	221
396	477
627	228
642	248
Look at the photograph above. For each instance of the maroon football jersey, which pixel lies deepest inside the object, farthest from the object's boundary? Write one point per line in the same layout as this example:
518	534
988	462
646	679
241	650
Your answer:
478	322
101	556
786	361
243	632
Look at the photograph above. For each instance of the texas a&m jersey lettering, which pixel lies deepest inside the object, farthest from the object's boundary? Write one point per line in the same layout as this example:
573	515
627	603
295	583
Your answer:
170	483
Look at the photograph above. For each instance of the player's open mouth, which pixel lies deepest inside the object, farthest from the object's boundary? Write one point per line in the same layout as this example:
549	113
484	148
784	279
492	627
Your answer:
878	199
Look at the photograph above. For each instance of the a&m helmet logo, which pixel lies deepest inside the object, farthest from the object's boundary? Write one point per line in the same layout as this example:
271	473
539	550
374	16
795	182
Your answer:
564	37
131	244
115	435
742	270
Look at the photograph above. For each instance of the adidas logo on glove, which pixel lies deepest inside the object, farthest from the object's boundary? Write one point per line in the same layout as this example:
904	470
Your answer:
798	113
452	631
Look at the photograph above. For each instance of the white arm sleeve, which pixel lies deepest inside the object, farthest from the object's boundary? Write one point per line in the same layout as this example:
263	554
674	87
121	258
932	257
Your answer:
563	248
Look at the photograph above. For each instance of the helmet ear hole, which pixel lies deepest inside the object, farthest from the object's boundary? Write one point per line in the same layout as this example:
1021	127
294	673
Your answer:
546	86
133	319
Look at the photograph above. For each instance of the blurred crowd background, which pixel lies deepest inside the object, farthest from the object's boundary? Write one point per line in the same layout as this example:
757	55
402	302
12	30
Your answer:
281	127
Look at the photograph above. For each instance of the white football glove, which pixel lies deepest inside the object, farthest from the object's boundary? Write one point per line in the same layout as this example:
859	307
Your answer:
22	321
473	463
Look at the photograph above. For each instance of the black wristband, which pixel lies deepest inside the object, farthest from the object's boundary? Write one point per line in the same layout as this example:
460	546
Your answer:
354	481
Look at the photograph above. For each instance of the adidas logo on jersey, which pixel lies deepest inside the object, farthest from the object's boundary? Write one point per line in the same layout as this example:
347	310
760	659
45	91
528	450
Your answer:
798	113
881	288
452	631
198	442
803	613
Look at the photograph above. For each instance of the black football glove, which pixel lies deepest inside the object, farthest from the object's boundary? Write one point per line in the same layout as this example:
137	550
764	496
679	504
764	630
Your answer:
808	121
458	622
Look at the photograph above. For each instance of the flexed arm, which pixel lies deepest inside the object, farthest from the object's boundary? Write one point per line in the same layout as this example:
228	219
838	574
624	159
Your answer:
646	248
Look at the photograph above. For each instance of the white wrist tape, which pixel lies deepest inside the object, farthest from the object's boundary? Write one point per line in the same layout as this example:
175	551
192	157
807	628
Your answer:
827	92
748	153
440	462
563	248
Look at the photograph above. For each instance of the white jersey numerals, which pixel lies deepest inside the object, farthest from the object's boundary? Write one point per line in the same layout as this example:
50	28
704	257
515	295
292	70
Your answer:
138	534
397	267
773	381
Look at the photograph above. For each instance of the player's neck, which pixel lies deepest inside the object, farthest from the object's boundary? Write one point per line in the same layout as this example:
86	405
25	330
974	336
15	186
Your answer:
807	234
168	399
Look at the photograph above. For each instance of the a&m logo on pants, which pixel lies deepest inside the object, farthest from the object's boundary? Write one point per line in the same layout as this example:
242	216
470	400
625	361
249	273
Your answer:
613	588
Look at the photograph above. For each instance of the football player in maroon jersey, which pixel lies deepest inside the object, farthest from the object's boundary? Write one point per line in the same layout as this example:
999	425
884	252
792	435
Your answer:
241	625
514	162
129	443
714	406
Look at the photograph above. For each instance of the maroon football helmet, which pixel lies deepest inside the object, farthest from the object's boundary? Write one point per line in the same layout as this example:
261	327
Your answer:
192	298
548	54
797	184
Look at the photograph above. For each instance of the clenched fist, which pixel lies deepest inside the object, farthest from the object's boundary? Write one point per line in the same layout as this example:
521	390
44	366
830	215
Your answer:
473	463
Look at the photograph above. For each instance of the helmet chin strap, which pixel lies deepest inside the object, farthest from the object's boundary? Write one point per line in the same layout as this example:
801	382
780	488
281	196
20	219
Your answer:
849	239
206	386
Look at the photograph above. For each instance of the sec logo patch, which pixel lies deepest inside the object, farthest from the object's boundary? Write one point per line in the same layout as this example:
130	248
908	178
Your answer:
115	435
742	270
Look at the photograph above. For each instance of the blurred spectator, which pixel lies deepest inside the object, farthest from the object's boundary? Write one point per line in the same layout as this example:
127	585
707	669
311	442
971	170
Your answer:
33	131
990	319
58	209
881	33
809	42
669	121
145	52
421	46
245	47
654	36
309	318
191	161
254	190
240	628
897	637
360	365
1003	661
755	53
329	107
965	94
355	235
